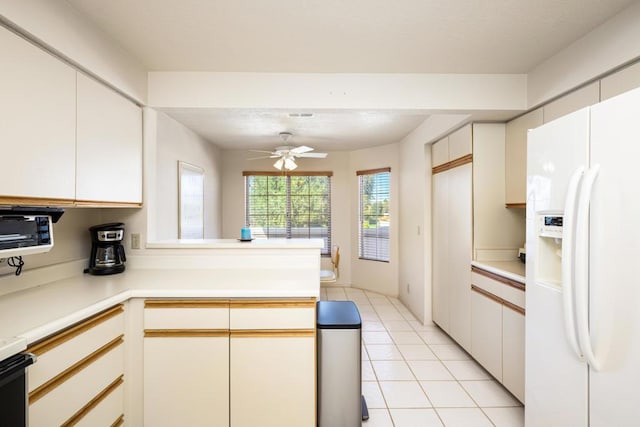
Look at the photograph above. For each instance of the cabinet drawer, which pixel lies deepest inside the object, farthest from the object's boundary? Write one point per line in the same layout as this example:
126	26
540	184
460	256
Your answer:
506	292
60	352
108	409
187	314
272	314
64	398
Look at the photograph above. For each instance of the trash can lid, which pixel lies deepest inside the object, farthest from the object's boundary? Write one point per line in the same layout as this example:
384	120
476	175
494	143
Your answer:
338	315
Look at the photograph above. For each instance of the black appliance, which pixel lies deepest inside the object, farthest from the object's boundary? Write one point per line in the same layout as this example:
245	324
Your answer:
13	389
107	252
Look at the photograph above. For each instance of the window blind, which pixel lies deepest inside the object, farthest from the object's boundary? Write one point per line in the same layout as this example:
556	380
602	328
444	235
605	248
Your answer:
374	221
294	205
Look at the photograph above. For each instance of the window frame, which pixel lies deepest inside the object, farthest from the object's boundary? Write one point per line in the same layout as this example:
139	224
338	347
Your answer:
325	251
361	218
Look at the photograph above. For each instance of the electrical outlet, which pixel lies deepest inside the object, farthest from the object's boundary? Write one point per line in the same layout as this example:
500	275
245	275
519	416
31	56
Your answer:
135	241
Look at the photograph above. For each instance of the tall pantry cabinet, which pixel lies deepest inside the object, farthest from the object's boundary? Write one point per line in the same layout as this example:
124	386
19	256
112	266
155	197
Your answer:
452	234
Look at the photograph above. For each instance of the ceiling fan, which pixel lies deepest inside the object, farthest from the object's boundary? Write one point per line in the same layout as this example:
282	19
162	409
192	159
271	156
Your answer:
286	154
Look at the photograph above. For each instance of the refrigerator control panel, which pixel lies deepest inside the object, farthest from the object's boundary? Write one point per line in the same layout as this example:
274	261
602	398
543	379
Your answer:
550	226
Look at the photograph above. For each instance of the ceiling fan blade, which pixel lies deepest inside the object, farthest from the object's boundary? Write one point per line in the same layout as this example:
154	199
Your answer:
315	155
263	157
301	149
261	151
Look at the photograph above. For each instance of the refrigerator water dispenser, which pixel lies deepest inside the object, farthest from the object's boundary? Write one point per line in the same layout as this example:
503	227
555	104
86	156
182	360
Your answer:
549	247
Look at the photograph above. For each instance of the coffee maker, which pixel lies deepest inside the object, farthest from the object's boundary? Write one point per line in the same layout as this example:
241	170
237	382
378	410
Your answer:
107	252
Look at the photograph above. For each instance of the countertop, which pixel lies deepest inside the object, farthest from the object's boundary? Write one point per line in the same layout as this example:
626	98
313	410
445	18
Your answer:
514	270
29	315
236	244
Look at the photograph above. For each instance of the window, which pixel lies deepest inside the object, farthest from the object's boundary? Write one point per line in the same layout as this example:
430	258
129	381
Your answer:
294	205
373	236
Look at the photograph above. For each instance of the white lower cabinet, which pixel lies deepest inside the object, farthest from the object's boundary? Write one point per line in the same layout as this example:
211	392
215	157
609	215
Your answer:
498	323
273	363
513	340
229	363
186	363
486	332
186	380
272	380
78	378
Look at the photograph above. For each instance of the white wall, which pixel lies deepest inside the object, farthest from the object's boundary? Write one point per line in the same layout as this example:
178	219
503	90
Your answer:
415	212
235	162
606	47
375	276
60	27
176	142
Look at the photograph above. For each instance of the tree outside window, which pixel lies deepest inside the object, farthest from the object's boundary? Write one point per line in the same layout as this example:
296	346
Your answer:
374	218
296	205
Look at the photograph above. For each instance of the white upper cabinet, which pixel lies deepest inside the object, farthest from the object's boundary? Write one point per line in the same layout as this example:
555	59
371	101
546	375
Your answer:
440	152
452	147
37	122
109	146
515	156
460	143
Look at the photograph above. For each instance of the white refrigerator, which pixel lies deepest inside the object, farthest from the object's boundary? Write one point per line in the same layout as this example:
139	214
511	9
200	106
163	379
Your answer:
583	268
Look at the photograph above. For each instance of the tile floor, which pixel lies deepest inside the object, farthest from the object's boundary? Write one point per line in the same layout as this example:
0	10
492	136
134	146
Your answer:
414	375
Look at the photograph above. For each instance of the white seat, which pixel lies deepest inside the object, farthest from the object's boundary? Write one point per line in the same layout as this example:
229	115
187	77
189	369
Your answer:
331	276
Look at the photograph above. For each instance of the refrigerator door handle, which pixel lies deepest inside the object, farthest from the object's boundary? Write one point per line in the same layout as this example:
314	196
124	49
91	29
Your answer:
582	267
568	243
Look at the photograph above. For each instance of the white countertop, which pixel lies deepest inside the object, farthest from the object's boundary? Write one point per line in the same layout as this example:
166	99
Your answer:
236	244
37	312
514	270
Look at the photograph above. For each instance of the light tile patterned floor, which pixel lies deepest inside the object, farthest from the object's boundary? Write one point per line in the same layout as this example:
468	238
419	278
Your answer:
414	375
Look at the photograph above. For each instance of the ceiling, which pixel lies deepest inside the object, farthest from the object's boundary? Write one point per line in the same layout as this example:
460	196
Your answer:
325	131
338	36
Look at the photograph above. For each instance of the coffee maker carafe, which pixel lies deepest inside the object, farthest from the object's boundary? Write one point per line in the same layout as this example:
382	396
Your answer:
107	252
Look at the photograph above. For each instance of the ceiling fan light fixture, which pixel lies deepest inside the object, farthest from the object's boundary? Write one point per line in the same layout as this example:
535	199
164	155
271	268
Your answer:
279	163
289	164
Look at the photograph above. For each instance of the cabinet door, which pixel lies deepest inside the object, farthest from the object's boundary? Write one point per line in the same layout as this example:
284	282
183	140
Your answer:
515	166
440	224
486	335
273	363
459	253
273	379
460	143
440	152
109	152
186	353
186	380
37	123
513	351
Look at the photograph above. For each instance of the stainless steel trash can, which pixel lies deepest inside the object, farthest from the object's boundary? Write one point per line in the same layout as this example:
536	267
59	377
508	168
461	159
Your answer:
339	367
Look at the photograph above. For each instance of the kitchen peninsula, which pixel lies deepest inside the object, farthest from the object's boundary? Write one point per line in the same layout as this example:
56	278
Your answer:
230	323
